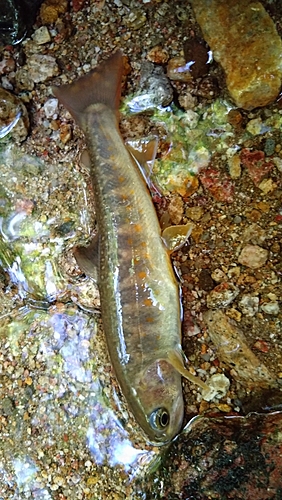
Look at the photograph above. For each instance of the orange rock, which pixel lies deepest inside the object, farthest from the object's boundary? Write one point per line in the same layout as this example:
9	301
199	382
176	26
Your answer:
245	42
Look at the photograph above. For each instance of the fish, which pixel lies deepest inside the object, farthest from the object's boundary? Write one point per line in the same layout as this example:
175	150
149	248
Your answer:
139	293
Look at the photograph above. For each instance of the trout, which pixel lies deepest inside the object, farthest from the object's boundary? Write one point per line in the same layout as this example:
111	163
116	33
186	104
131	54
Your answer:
140	301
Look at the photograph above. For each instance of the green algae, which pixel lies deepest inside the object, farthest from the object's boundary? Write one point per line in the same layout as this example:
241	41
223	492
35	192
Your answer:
193	137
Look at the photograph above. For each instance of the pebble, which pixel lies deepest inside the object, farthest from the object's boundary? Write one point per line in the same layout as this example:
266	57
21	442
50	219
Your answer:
223	407
182	182
7	64
178	70
158	55
24	80
253	256
267	186
218	275
234	164
235	118
222	295
254	234
187	100
269	146
249	305
256	126
78	4
256	164
205	280
234	314
245	42
175	209
218	387
234	272
194	213
219	185
65	133
51	108
234	352
13	117
278	163
271	308
6	84
41	67
261	346
50	10
197	55
155	90
41	35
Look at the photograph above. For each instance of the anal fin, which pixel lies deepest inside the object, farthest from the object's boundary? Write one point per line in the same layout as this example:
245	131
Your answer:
174	237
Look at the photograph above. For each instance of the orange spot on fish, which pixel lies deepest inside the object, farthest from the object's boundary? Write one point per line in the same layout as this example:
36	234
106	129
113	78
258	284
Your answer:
149	319
142	275
137	228
147	302
121	179
130	241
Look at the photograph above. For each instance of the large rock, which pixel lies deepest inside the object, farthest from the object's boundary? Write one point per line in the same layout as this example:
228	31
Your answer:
223	458
245	42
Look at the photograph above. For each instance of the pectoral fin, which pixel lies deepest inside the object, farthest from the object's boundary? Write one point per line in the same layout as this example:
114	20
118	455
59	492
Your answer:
87	258
174	237
144	153
175	358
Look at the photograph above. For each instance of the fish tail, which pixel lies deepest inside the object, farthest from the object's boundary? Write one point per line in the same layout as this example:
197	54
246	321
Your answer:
101	85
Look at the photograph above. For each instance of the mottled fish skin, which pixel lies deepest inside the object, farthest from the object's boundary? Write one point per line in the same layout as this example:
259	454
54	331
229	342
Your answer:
139	295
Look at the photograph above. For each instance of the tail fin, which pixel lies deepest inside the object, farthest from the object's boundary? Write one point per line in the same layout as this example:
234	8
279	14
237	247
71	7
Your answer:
101	85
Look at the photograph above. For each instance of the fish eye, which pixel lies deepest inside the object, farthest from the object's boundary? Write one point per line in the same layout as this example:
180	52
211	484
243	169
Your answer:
159	419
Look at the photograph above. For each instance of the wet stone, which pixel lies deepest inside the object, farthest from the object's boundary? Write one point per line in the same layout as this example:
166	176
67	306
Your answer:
234	165
156	84
233	350
13	117
222	295
155	89
42	35
205	280
256	164
253	256
195	213
41	67
51	108
24	80
249	305
196	54
245	42
157	55
271	308
50	10
179	70
220	458
267	186
219	185
12	23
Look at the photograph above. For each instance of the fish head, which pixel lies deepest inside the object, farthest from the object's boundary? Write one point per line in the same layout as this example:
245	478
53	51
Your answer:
159	391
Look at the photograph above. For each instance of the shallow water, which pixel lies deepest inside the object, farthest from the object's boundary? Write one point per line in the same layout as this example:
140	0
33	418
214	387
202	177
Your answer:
64	424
